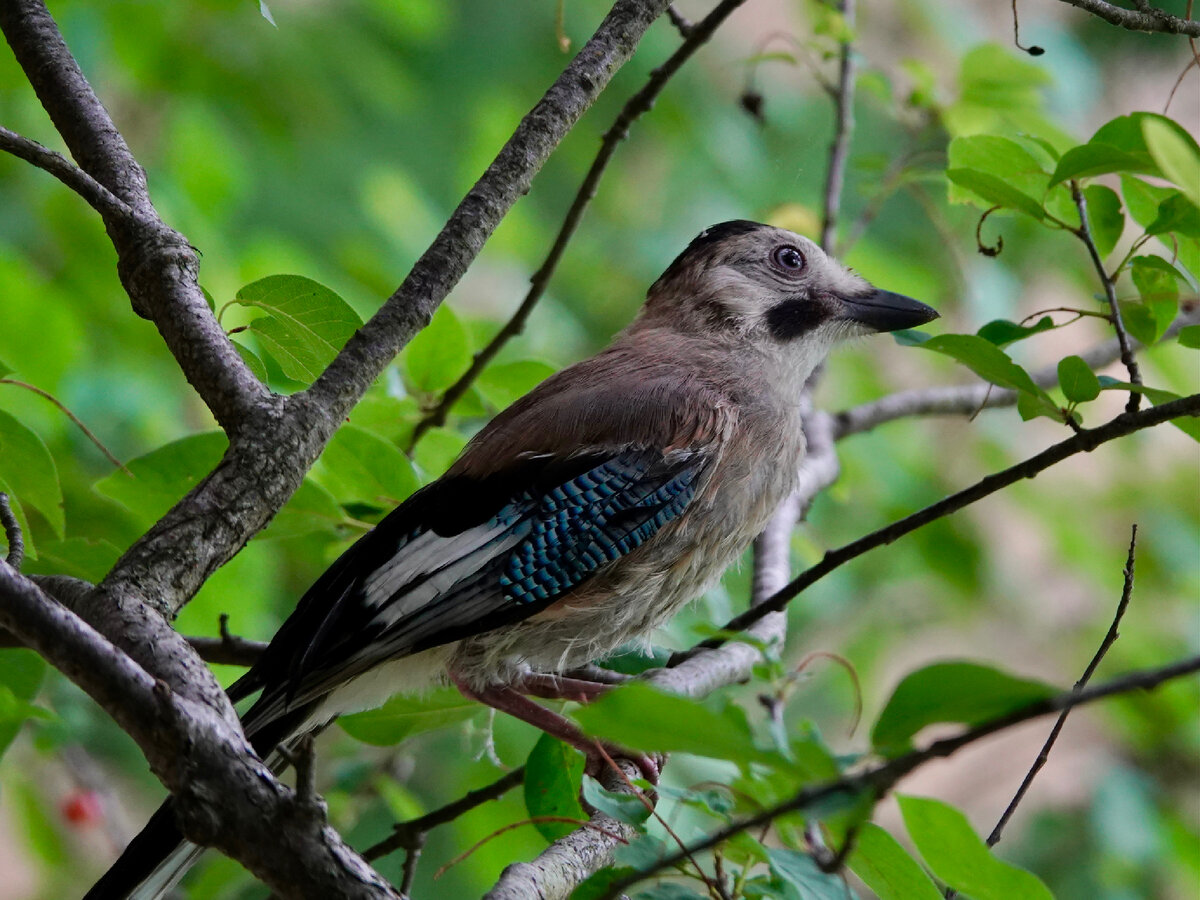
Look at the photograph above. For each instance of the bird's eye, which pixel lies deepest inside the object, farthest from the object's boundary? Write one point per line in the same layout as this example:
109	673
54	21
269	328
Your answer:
788	258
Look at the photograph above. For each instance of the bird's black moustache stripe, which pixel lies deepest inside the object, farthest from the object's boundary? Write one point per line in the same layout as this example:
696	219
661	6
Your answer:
795	318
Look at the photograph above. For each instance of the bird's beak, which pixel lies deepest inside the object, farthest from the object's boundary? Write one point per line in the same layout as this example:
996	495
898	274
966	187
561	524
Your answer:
885	311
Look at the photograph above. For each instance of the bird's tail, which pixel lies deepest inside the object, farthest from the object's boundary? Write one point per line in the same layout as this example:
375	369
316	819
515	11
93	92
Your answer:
159	855
151	865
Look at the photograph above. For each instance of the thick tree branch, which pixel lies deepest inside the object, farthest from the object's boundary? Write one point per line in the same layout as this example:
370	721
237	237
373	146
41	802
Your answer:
637	105
1151	19
880	779
1083	441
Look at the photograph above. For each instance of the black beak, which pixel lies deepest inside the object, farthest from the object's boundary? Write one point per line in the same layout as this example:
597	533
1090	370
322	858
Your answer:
885	311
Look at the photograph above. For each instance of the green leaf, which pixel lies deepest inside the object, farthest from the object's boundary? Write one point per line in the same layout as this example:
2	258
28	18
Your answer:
909	337
310	509
992	364
439	354
639	717
1078	382
253	363
998	170
800	871
1189	425
359	466
503	384
1142	199
1139	321
996	192
1117	146
86	558
887	869
960	858
28	469
622	807
1176	153
437	449
5	369
961	692
155	482
1189	336
1155	280
21	674
1002	332
407	714
307	323
1176	215
1104	216
553	778
598	885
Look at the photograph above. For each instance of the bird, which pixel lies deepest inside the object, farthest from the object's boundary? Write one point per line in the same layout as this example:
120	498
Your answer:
579	519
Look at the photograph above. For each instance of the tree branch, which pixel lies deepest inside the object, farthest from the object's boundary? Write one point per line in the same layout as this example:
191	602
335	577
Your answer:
880	779
640	103
93	192
13	538
1082	441
839	147
1152	19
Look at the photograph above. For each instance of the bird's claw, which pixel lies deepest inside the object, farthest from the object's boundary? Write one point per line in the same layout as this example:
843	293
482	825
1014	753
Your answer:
649	764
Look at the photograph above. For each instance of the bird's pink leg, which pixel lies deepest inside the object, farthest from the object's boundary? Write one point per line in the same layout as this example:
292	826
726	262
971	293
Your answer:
561	687
508	700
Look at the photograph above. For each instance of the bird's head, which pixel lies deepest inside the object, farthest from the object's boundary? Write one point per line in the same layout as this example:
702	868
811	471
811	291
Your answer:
757	284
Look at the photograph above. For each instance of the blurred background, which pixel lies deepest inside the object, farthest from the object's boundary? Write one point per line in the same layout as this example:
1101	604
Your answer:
335	143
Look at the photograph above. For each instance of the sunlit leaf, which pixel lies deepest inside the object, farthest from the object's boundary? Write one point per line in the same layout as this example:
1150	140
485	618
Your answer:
960	858
553	777
887	869
360	466
1117	146
1189	336
960	692
1155	280
1142	198
21	674
1176	214
1104	216
1176	154
250	358
307	323
992	364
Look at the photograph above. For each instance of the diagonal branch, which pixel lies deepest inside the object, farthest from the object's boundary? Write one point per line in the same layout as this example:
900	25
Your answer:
1083	441
1151	19
507	179
695	36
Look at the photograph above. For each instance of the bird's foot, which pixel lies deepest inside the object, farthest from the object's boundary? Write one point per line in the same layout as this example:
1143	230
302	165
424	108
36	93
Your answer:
602	757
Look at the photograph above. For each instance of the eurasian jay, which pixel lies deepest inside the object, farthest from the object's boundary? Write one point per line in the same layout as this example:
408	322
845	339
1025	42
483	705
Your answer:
580	518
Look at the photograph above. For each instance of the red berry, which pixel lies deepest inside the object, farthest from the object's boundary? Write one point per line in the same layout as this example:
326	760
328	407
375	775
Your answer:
82	808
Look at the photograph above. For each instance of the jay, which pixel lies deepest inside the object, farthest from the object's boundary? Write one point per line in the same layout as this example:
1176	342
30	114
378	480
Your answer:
580	518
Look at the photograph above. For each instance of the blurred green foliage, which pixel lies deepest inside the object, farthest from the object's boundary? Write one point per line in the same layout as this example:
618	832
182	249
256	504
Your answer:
312	162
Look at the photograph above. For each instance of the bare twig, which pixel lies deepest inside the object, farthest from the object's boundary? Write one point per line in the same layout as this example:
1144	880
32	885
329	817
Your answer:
682	25
12	533
839	148
1084	233
93	192
404	833
1044	754
1032	51
880	779
87	432
640	103
1080	442
1152	19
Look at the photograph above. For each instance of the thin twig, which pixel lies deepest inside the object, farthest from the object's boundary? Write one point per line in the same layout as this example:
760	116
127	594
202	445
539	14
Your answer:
1044	754
1080	442
404	833
682	25
228	649
88	433
634	108
839	147
12	534
880	779
1084	233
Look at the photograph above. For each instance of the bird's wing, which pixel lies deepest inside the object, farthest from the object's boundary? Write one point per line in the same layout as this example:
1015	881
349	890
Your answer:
465	555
